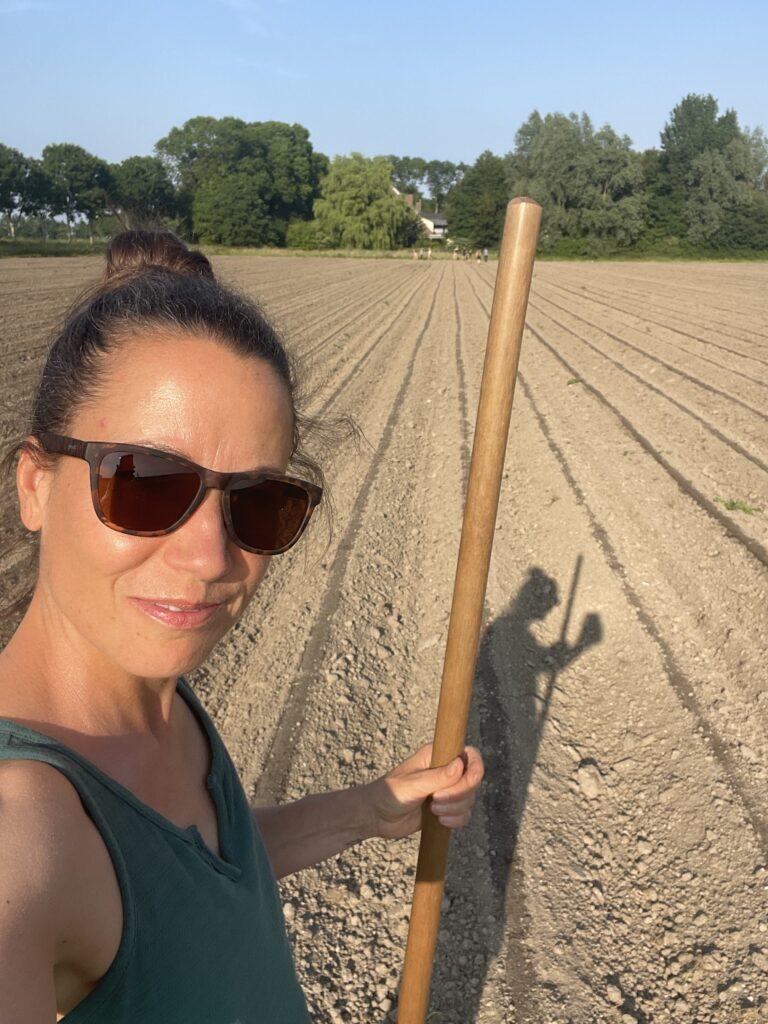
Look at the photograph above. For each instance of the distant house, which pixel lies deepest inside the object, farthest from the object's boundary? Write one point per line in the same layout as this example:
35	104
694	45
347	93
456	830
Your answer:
435	225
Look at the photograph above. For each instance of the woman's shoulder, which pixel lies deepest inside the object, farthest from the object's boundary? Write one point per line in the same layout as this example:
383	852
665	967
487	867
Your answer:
40	822
43	823
61	892
38	801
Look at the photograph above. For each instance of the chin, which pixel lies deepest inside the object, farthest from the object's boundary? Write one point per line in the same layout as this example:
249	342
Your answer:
158	664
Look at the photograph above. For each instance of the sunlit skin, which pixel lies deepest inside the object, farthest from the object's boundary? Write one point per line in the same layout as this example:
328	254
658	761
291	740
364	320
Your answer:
89	649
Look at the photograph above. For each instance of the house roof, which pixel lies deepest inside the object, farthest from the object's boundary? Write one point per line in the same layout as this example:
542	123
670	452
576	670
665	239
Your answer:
437	219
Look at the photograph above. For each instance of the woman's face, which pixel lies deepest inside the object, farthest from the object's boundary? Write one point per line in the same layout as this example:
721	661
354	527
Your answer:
114	595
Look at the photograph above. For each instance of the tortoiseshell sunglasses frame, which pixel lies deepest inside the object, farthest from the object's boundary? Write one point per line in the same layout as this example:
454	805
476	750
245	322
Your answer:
94	451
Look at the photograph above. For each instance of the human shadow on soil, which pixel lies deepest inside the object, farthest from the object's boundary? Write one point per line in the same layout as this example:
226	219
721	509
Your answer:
515	683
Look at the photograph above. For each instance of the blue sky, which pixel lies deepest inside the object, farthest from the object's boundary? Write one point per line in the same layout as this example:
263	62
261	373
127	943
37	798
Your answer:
439	80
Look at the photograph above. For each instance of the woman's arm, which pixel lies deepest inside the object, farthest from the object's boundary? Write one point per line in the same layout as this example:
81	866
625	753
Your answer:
308	831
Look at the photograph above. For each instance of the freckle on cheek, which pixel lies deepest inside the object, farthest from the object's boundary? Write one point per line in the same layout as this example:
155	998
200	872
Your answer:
103	421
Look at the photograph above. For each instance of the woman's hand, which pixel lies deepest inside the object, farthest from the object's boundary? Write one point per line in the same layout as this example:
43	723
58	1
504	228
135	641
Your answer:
397	798
309	831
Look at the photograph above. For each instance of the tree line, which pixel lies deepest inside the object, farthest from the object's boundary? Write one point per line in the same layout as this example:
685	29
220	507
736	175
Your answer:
705	187
220	181
238	183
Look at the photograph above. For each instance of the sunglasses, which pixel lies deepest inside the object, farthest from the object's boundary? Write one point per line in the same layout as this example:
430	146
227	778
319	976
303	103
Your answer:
148	493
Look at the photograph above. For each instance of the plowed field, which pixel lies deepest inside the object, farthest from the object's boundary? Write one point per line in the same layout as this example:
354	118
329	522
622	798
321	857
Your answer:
616	869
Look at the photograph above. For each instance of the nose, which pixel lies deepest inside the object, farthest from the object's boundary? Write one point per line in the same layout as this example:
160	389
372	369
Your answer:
202	545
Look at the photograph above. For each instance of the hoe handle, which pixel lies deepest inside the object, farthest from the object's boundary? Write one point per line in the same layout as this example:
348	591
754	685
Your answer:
505	332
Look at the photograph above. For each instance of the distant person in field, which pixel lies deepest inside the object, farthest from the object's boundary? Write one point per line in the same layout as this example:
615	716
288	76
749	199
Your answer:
485	255
162	468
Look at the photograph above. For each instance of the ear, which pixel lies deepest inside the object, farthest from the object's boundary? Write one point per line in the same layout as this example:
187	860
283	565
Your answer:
33	482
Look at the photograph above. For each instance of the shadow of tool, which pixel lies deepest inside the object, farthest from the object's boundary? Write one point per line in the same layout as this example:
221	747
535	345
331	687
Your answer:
516	680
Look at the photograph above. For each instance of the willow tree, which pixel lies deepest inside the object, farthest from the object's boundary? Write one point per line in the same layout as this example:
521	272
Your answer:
358	209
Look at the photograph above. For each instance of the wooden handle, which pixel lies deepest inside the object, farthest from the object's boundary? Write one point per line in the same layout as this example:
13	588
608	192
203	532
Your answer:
502	354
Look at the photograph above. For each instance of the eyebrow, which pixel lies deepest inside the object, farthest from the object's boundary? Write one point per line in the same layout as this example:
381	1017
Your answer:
168	449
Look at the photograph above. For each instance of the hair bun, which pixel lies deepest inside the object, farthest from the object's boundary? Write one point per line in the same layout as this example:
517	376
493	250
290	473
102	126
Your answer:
133	252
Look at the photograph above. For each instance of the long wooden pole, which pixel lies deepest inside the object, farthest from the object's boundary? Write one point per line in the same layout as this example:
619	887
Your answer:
505	332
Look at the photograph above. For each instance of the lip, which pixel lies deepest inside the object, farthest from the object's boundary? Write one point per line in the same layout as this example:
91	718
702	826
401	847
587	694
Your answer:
179	615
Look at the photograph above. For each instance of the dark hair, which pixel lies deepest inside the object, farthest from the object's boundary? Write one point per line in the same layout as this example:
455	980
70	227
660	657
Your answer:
151	280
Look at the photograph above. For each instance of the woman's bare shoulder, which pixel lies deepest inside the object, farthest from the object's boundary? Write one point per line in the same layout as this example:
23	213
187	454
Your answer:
40	788
39	828
41	819
47	837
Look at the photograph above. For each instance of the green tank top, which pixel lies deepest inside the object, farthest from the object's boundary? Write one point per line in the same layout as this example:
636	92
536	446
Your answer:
204	939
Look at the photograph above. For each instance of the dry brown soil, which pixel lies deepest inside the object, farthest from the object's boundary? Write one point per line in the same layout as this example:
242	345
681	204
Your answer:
615	869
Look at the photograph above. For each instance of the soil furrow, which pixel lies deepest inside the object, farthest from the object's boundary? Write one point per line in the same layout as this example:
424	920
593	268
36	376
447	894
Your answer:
381	298
641	312
682	685
277	764
705	424
330	399
732	528
697	381
739	316
588	300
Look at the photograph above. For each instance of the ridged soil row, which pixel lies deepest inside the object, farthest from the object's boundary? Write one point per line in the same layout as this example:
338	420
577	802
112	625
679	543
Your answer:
736	376
725	296
703	462
627	782
713	448
300	301
684	547
681	323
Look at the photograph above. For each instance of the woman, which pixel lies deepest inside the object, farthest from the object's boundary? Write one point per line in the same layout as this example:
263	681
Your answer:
136	883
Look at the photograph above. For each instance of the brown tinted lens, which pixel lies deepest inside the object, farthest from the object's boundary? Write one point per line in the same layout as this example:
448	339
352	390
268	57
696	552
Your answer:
144	493
268	515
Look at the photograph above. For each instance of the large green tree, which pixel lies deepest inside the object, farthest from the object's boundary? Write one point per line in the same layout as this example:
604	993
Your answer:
292	167
717	182
709	169
231	211
25	191
279	158
142	192
408	173
357	209
589	182
204	148
79	183
13	173
440	177
694	127
476	205
416	175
